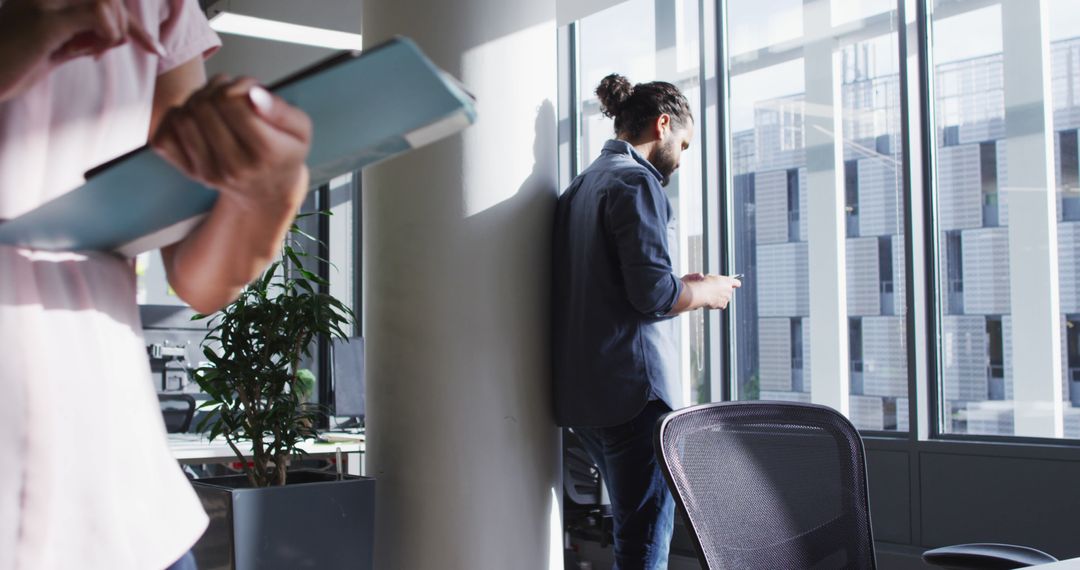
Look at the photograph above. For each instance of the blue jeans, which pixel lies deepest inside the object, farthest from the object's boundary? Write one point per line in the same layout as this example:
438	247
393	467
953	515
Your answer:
641	504
186	562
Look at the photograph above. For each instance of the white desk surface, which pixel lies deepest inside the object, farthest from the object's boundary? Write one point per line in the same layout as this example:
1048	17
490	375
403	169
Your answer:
195	448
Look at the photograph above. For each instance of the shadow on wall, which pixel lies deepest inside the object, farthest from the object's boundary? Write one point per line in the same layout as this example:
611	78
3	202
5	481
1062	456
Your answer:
515	228
462	308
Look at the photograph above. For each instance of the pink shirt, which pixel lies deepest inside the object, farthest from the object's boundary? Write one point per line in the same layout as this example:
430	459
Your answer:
86	478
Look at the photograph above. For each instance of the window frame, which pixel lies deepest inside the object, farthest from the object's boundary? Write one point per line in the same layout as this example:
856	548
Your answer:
919	190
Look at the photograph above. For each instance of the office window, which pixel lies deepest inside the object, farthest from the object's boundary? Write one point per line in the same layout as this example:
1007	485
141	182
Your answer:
1069	178
988	175
886	278
954	273
855	349
950	136
743	215
992	231
647	40
1072	338
851	197
336	259
344	241
810	85
995	353
797	385
792	206
151	286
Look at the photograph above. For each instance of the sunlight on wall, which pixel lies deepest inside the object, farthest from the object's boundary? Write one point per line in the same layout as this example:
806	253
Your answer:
507	106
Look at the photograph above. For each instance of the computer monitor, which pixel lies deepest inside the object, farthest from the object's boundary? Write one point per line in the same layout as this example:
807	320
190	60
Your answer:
348	377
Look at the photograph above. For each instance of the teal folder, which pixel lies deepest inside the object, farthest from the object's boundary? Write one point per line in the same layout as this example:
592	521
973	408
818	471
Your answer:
365	107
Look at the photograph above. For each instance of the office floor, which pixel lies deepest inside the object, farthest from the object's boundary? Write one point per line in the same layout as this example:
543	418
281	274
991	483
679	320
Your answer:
600	558
888	558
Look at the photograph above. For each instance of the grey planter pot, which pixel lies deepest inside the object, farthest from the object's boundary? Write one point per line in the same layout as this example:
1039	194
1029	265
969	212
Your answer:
314	521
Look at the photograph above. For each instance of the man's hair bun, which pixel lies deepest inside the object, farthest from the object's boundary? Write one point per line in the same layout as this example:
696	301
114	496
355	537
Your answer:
613	92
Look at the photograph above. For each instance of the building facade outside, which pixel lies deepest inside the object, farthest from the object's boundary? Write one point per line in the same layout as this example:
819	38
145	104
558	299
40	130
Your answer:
771	243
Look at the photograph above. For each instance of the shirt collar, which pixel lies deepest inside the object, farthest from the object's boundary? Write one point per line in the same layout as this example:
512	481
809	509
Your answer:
616	146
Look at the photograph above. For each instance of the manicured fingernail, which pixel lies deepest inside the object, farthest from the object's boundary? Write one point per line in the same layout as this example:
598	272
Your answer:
147	40
261	98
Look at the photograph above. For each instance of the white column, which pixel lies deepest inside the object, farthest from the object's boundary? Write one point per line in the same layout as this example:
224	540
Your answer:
825	204
1030	192
457	270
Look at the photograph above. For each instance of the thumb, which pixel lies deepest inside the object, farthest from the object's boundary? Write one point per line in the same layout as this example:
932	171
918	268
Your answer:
279	113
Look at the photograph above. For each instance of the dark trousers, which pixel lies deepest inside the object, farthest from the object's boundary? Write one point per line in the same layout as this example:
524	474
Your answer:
641	504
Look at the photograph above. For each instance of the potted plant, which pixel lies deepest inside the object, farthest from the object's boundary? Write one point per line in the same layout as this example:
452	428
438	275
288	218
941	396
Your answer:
273	517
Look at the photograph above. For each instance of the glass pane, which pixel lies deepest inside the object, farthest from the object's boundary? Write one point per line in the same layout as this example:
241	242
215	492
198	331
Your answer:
1065	89
772	193
749	31
859	12
151	286
975	125
343	243
664	47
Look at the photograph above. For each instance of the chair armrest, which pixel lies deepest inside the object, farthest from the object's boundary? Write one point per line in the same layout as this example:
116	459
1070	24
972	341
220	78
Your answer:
986	556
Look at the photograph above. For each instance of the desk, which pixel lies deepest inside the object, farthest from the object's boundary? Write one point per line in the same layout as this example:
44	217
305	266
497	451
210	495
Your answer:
193	448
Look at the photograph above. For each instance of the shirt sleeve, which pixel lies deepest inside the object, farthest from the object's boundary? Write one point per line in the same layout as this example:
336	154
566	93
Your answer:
185	33
637	217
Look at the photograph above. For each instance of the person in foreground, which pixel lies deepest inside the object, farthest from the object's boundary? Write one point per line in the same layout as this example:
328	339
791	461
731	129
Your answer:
615	296
88	481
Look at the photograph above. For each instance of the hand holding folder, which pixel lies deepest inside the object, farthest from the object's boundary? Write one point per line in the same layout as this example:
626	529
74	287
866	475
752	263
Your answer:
364	107
234	136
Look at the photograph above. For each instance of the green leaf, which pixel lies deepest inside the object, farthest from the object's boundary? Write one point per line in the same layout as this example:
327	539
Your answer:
253	346
269	274
306	380
313	277
296	230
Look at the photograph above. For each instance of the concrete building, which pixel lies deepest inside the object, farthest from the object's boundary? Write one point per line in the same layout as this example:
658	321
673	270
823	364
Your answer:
976	359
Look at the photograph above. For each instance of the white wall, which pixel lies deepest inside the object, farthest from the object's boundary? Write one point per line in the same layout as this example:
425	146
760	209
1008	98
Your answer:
457	270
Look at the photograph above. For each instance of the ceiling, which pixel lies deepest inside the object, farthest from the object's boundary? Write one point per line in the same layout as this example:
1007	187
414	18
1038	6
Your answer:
268	60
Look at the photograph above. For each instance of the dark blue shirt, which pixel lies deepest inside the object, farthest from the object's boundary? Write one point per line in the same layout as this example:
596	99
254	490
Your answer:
613	341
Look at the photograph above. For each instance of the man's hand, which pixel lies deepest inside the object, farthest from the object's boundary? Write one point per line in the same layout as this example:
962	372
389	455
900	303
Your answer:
38	35
701	291
717	290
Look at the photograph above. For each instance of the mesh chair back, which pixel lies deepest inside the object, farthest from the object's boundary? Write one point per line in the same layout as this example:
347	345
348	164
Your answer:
769	485
581	477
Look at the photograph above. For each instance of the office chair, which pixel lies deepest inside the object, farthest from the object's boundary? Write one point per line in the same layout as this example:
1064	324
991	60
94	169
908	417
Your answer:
177	409
767	485
582	508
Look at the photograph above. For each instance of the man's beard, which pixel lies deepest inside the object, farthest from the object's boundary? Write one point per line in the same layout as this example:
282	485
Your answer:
663	158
